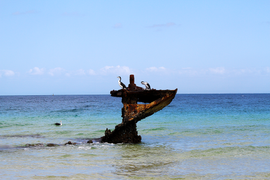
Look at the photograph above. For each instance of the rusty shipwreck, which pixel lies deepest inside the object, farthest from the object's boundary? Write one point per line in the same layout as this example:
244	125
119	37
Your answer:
151	101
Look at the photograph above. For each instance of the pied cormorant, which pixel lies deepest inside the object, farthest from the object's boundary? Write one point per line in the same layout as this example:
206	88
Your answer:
58	124
147	85
122	85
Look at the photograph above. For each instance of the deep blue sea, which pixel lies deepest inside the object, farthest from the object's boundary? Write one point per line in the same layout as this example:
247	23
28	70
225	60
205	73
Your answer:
197	136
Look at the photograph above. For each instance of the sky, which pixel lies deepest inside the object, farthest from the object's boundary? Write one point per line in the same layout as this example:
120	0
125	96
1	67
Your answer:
80	47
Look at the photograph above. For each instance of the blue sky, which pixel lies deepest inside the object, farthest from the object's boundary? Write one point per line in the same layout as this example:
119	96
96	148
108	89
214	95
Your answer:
80	47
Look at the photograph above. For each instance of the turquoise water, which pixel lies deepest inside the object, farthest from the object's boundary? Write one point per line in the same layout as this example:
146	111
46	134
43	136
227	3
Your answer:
219	136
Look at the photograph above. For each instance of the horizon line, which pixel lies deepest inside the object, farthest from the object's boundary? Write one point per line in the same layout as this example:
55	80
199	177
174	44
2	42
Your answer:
109	94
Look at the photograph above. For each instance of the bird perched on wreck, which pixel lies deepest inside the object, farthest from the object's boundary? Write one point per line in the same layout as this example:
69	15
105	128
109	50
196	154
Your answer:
147	85
122	85
58	124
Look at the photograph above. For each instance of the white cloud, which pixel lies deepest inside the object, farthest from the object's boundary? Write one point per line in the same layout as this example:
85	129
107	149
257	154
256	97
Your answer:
56	71
223	71
36	71
170	24
116	70
61	71
190	71
9	73
246	71
218	70
6	73
80	72
156	69
91	72
199	72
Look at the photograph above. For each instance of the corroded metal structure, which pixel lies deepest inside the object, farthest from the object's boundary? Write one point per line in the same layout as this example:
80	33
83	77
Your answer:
132	112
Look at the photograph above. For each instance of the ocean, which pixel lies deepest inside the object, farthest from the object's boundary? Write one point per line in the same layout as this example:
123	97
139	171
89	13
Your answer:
197	136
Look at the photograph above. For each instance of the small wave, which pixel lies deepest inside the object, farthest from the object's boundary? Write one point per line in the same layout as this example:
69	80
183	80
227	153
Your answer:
84	147
88	154
6	125
234	151
66	156
22	136
69	110
62	132
88	106
99	131
154	129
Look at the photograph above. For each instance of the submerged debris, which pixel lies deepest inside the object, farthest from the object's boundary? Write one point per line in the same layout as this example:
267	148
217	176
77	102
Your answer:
125	132
34	145
41	145
70	143
90	141
52	145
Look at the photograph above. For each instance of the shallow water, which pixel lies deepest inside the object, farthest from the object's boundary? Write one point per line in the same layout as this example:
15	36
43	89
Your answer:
216	136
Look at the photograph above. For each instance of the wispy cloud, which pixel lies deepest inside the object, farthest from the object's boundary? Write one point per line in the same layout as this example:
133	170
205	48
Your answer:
201	72
116	70
36	71
247	71
6	73
56	71
156	69
125	70
218	70
91	72
80	72
60	71
221	71
190	71
170	24
24	13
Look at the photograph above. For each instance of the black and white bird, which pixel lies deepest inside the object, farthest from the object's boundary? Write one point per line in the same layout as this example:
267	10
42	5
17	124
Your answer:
122	85
147	85
58	124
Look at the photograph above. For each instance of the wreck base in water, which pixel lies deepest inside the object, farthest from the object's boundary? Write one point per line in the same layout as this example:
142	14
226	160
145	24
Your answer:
123	133
132	112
